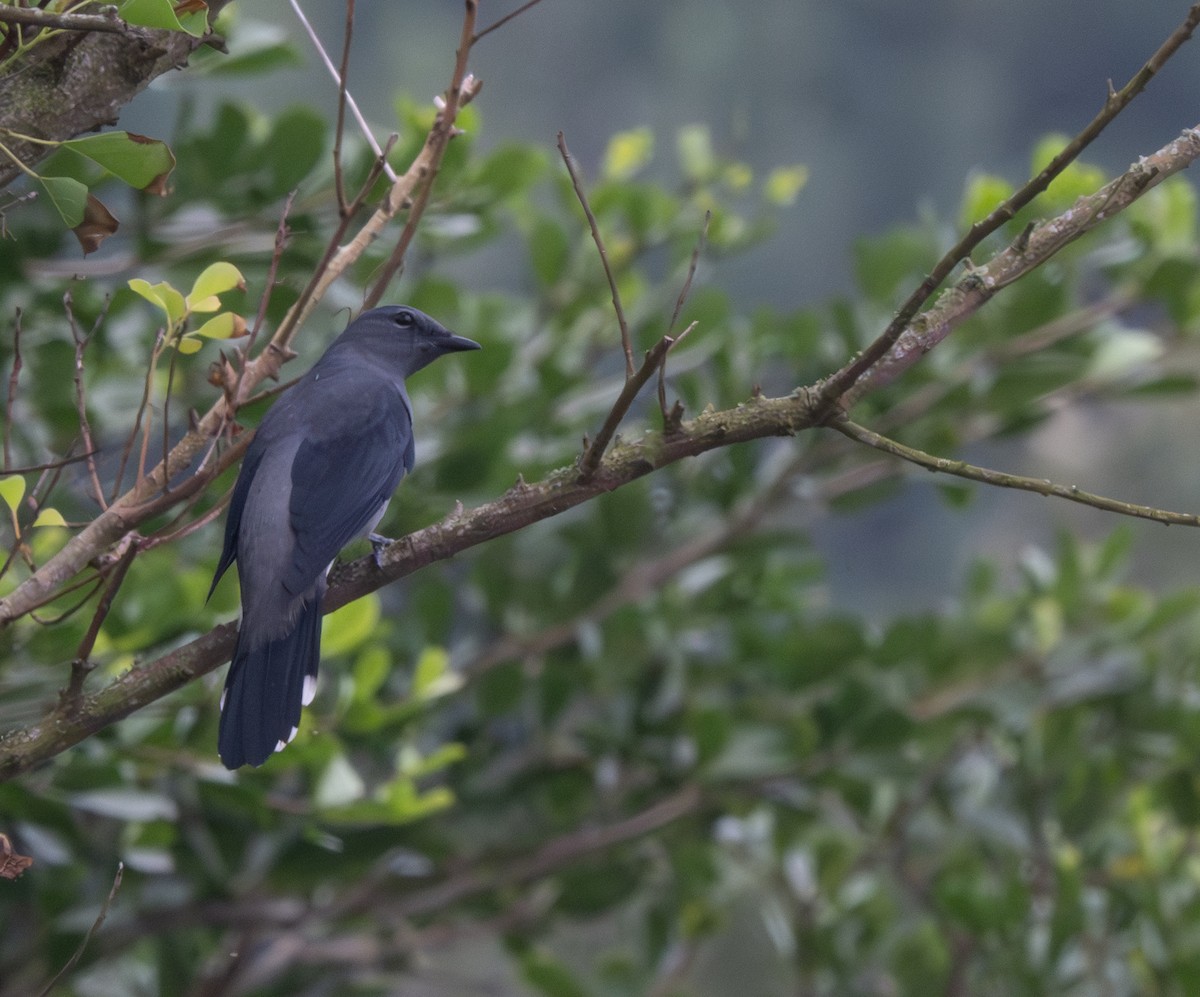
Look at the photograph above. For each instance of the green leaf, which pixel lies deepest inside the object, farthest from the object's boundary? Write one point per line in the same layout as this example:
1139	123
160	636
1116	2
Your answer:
12	490
550	977
143	163
216	278
164	296
784	184
432	676
296	144
68	196
339	784
189	344
227	325
160	14
348	627
49	517
627	153
693	145
254	49
983	195
549	251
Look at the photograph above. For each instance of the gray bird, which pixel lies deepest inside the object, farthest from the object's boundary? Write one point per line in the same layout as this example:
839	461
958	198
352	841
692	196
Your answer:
319	473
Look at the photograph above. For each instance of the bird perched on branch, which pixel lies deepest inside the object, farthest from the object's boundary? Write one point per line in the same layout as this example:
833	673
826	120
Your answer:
319	473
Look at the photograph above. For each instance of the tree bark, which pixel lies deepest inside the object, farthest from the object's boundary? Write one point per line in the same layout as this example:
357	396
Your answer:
76	82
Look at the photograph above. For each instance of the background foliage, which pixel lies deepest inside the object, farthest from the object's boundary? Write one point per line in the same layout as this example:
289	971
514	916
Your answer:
634	749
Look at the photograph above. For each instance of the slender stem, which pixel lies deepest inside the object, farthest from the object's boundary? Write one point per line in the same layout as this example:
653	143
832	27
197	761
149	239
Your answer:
505	19
339	78
594	453
577	183
1001	479
107	22
96	925
13	379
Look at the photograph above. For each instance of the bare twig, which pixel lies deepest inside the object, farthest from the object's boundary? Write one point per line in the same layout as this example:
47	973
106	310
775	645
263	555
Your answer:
1001	479
463	88
505	19
684	291
343	93
96	925
671	418
81	667
594	452
108	21
339	77
581	194
13	383
85	430
841	382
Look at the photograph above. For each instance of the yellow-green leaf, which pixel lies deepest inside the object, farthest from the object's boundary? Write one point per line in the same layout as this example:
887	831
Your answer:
49	517
12	490
217	278
346	628
694	146
784	183
628	152
432	676
163	295
227	325
189	344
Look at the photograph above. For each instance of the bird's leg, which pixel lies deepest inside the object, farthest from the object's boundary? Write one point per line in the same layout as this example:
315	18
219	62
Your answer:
379	544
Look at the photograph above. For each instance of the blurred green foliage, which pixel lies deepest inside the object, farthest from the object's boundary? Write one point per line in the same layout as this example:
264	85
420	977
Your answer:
640	722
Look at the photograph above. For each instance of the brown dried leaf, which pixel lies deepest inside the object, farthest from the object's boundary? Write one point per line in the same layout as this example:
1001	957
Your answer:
12	864
97	225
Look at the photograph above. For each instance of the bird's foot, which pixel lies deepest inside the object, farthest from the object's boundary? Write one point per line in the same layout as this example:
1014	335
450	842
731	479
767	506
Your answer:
379	544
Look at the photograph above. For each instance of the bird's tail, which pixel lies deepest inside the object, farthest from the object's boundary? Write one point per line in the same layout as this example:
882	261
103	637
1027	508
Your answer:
266	688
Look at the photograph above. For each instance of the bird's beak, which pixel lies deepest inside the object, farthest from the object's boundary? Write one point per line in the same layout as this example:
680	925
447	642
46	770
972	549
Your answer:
459	343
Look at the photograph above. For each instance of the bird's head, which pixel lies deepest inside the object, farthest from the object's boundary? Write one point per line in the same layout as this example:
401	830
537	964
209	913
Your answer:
402	338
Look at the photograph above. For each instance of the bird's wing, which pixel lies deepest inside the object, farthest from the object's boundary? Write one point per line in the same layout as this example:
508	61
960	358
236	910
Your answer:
343	474
237	503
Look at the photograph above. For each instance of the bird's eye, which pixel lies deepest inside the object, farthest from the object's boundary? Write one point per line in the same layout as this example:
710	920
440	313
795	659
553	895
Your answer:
403	319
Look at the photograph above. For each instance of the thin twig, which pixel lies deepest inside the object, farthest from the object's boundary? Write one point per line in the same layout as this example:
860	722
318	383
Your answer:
463	89
166	535
338	79
138	424
166	413
13	379
839	383
85	430
1001	479
672	418
105	22
505	19
684	291
577	183
339	184
92	584
594	452
81	667
96	925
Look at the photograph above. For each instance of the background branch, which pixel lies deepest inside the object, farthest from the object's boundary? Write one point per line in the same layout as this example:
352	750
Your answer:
1001	479
844	380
